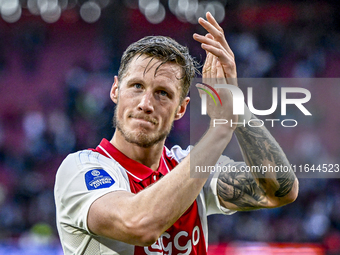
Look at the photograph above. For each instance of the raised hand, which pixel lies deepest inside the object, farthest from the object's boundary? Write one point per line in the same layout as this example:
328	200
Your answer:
215	43
213	74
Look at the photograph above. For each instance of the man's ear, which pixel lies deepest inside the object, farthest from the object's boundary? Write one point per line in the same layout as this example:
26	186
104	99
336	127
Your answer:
182	108
114	90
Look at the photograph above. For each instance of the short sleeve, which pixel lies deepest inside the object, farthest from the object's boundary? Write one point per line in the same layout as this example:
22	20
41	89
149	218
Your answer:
212	202
82	178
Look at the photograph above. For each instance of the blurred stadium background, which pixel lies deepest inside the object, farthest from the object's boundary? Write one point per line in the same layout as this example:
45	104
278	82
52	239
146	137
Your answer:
57	62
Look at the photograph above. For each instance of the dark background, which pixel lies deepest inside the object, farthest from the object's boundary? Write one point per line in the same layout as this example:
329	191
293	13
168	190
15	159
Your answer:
55	79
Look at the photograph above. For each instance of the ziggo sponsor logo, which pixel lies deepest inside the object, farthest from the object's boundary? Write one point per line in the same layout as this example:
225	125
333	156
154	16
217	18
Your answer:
238	104
159	248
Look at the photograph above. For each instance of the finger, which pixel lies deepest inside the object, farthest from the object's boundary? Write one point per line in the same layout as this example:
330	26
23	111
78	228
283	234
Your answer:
226	61
206	72
199	38
213	21
223	56
207	63
216	32
208	40
213	72
206	52
208	35
211	37
220	74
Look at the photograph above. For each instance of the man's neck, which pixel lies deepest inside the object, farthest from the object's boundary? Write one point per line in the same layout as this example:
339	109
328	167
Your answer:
149	157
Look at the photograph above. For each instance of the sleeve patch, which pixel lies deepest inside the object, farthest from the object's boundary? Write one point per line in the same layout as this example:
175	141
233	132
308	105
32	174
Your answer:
98	179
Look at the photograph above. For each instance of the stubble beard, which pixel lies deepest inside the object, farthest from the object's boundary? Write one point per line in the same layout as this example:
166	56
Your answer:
140	138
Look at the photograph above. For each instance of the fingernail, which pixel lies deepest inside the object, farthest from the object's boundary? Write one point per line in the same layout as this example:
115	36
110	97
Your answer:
203	20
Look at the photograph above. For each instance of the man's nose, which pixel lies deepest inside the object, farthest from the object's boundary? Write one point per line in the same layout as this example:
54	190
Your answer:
146	103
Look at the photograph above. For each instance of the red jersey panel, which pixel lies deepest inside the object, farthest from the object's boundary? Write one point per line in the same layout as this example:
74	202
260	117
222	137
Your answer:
185	236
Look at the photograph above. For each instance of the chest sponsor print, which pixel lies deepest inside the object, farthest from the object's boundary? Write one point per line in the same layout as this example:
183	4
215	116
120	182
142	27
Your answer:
98	179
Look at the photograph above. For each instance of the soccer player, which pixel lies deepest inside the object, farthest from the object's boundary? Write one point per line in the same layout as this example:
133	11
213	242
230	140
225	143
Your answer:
132	195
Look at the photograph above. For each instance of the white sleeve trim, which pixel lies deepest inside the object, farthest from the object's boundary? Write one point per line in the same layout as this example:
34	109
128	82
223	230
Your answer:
213	185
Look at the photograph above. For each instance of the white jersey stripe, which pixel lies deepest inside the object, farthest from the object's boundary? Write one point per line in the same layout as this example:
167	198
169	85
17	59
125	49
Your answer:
166	164
101	147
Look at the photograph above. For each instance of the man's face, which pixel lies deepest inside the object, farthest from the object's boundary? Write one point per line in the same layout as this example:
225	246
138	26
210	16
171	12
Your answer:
148	101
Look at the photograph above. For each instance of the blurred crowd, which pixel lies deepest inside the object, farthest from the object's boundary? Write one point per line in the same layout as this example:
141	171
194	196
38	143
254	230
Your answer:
55	82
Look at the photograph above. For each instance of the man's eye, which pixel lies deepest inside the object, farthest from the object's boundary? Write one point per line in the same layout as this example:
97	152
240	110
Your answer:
138	86
163	93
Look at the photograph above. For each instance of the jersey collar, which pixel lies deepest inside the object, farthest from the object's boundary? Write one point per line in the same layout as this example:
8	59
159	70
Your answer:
136	170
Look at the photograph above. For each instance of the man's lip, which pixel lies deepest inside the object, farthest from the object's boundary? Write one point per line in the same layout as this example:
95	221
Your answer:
144	120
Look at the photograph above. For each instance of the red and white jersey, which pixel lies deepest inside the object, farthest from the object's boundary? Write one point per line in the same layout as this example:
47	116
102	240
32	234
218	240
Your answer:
86	175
